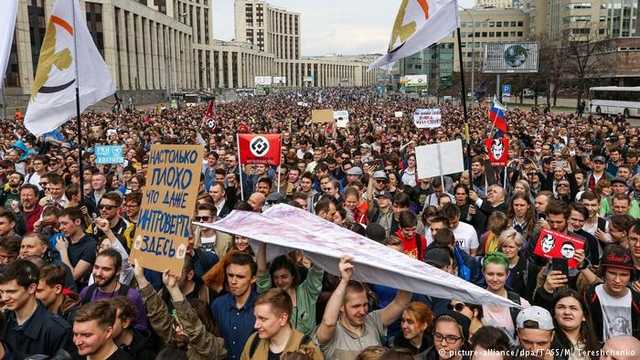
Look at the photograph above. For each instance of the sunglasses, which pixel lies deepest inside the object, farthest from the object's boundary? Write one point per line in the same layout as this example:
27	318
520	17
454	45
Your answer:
202	218
563	185
108	207
458	307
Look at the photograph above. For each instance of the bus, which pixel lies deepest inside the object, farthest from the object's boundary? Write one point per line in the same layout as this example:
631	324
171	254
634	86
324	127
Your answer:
615	100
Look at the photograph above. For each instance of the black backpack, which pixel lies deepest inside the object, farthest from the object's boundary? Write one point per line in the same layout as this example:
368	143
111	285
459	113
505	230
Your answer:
512	310
122	291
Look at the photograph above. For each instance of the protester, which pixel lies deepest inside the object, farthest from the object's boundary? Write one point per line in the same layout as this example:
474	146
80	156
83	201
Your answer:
93	332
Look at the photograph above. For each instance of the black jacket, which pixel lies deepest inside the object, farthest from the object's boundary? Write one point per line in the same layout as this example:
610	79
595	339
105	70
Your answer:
142	347
400	342
595	311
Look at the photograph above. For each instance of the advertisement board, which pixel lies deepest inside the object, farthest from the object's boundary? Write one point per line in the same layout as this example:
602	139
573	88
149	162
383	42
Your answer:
511	58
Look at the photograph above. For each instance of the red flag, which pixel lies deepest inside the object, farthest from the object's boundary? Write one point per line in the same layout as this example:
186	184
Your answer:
243	128
260	149
207	117
498	150
554	245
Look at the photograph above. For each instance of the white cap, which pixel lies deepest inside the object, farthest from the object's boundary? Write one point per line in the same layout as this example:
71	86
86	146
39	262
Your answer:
536	317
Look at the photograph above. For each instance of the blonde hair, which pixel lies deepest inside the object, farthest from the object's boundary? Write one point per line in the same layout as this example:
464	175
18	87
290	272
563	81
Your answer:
372	353
510	235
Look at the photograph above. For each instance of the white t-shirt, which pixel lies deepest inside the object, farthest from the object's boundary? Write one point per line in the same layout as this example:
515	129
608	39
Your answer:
616	314
466	237
500	317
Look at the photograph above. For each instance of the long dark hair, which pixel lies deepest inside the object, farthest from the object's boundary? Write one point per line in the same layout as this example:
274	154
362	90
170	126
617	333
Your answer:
283	262
587	335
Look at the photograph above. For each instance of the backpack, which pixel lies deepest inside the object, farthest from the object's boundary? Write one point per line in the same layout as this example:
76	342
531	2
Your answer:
512	310
91	290
306	340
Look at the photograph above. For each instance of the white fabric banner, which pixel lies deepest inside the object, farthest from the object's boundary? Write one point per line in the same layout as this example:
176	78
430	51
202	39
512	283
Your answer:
418	25
285	228
8	11
53	99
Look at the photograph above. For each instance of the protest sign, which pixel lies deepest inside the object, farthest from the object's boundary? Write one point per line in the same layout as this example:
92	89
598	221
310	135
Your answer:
259	149
398	114
427	118
555	245
342	118
439	159
498	150
322	116
109	154
285	228
169	197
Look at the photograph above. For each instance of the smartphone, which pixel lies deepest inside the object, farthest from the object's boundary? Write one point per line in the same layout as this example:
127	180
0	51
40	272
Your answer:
542	216
560	264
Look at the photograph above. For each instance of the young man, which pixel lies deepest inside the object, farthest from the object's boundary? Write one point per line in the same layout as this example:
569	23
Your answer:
535	332
613	307
219	196
30	329
347	327
233	312
109	208
274	335
106	274
77	250
51	293
138	344
466	236
93	332
413	243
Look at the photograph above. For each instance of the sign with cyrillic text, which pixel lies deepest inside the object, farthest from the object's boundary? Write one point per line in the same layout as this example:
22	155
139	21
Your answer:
169	197
109	154
427	118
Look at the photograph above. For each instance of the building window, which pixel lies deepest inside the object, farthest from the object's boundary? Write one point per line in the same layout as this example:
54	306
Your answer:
519	33
513	24
37	24
491	34
520	23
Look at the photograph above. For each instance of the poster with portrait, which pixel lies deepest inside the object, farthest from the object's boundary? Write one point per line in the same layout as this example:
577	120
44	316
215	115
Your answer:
498	150
555	245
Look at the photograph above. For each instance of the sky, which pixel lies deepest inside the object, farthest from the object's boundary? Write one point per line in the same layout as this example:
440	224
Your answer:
344	27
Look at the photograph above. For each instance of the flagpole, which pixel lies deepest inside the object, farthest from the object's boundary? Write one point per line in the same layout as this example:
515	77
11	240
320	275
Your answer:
463	91
78	123
240	167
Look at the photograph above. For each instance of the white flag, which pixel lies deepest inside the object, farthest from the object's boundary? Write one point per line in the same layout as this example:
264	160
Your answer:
8	9
53	93
418	25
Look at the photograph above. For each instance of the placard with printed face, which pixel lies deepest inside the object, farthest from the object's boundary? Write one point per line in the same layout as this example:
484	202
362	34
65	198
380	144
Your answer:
162	236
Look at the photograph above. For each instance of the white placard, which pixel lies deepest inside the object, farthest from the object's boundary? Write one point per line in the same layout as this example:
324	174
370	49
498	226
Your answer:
398	114
427	118
439	159
342	118
263	80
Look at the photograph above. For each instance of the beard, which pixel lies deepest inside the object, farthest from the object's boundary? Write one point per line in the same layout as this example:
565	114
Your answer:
102	282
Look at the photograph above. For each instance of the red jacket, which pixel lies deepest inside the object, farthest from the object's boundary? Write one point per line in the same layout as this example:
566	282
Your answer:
410	246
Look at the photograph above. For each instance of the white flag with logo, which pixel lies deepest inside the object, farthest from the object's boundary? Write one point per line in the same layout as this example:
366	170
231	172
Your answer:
8	10
52	100
418	25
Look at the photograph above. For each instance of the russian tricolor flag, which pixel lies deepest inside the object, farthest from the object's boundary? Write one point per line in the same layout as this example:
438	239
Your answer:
497	115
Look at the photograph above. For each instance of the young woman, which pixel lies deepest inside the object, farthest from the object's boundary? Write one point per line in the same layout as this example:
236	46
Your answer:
496	224
472	311
521	214
409	173
574	336
510	243
495	268
304	294
415	324
450	333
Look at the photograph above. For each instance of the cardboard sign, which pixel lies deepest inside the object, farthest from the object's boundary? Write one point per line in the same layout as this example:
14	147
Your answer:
439	159
322	116
342	118
169	198
498	150
398	114
109	154
427	118
554	245
260	149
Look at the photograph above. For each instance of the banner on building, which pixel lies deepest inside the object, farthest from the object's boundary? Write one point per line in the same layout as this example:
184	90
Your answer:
279	80
414	80
427	118
285	228
511	58
263	80
498	150
260	149
169	197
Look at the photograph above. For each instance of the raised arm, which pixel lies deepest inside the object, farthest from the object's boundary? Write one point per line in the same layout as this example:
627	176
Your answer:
393	311
327	327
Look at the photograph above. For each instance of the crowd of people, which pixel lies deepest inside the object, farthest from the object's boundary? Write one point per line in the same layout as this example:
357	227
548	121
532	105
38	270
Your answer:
68	289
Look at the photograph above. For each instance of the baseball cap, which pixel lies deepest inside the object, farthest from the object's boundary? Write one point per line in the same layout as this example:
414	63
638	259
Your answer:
355	171
376	233
619	180
437	257
384	193
534	317
598	158
621	261
380	174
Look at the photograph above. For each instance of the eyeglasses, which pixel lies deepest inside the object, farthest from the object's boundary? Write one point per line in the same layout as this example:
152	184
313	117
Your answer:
108	207
202	218
458	307
450	339
43	184
564	185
